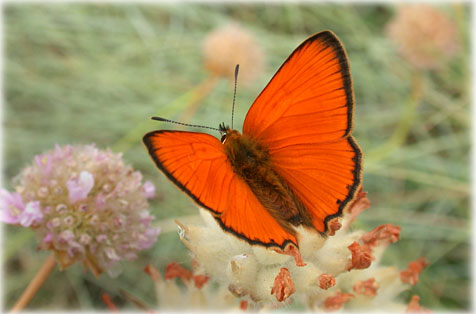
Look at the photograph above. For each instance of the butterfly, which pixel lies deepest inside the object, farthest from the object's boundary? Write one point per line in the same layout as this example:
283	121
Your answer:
295	163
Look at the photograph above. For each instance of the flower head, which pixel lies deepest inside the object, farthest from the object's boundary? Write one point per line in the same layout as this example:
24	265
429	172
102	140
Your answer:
228	46
85	205
424	35
328	273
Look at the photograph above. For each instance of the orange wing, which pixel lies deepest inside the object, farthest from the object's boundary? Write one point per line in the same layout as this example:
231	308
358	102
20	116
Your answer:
304	118
197	164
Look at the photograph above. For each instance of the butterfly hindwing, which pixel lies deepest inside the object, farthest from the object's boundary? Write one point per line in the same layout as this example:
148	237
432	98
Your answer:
324	177
197	164
304	119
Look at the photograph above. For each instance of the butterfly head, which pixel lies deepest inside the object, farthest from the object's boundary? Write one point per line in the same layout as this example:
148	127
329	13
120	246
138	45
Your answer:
227	133
223	131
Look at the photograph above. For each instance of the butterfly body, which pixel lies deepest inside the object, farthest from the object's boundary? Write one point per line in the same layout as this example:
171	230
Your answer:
252	163
295	163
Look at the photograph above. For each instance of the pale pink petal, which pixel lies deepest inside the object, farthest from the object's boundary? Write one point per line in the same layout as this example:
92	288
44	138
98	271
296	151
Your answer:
66	236
11	207
79	188
111	254
45	163
48	237
100	201
149	189
31	215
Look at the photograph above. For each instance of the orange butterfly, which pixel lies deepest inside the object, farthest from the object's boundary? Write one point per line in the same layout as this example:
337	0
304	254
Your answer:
295	163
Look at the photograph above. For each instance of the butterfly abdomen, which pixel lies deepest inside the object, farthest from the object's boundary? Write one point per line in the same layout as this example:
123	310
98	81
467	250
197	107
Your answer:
252	163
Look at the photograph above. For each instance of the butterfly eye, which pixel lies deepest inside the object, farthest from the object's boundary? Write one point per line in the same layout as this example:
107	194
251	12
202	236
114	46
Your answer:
223	139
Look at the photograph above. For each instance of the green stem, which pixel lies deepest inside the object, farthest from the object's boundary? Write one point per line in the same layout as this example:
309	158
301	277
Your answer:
404	125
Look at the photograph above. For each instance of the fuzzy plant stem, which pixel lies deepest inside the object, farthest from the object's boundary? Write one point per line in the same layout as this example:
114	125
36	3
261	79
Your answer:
35	284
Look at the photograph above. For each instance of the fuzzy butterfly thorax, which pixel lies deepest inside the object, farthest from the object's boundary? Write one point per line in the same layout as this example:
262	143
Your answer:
252	163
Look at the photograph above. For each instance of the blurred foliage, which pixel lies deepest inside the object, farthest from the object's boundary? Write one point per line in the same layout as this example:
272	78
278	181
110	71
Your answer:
83	73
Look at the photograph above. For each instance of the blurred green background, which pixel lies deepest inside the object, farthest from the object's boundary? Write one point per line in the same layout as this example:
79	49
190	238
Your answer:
95	73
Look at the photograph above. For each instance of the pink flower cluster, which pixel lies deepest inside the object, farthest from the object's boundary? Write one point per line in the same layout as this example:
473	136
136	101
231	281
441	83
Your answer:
84	204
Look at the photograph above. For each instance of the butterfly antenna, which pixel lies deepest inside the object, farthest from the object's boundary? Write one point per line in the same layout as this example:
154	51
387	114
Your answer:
186	124
234	94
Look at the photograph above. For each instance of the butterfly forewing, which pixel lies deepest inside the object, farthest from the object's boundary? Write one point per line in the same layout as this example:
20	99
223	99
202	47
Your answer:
197	164
311	92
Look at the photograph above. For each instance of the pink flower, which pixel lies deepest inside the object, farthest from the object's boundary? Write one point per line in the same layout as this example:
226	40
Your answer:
79	188
85	205
48	237
31	215
149	189
149	238
11	207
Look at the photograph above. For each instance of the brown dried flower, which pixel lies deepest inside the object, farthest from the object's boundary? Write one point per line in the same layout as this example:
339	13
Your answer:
382	234
283	285
336	301
174	270
360	204
411	274
334	225
368	287
326	281
243	305
414	306
200	280
361	256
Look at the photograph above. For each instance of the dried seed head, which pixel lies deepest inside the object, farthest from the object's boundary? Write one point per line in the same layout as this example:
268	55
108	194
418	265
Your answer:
423	35
228	46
